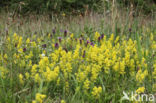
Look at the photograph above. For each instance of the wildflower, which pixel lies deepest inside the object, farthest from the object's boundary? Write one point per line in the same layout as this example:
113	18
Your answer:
63	101
140	76
27	75
154	72
140	90
44	46
63	14
54	31
92	44
130	30
21	78
56	45
71	35
96	36
37	78
65	33
84	53
154	87
96	92
59	38
3	72
24	49
86	84
40	97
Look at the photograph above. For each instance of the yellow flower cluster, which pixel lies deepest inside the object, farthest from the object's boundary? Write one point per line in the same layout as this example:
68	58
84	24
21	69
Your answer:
140	90
39	98
96	92
140	76
3	72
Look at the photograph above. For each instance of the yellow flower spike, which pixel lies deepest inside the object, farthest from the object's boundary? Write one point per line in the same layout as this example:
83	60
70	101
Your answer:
37	78
19	42
3	72
122	67
40	97
49	35
34	101
63	101
154	87
96	92
5	56
27	75
111	37
33	44
71	35
86	84
97	35
151	37
117	39
21	78
140	90
63	14
154	71
140	76
27	41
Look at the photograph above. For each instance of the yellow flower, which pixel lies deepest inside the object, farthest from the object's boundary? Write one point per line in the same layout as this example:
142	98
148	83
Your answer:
97	35
86	84
140	90
34	101
27	41
37	78
63	101
154	72
21	78
154	87
96	92
27	75
72	35
140	76
63	14
3	72
40	97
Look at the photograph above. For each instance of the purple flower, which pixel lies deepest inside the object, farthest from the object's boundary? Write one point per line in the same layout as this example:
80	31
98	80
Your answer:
92	44
80	40
65	33
84	53
102	36
56	45
59	38
24	49
99	38
130	30
44	45
88	42
54	31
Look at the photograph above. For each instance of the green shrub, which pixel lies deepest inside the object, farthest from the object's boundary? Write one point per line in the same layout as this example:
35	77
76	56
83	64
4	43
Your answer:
41	6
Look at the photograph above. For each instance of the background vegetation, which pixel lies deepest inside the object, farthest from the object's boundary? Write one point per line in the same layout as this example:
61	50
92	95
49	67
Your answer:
40	6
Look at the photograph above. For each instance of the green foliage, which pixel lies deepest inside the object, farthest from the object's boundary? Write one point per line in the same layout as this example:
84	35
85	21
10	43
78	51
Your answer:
147	6
48	5
40	6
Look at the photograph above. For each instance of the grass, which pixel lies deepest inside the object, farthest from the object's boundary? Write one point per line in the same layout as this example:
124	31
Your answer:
108	77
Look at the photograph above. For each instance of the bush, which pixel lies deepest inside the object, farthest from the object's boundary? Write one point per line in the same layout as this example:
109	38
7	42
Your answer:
48	5
40	6
146	6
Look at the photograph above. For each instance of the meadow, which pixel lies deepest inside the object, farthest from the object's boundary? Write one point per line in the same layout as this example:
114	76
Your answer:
76	59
